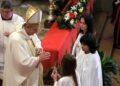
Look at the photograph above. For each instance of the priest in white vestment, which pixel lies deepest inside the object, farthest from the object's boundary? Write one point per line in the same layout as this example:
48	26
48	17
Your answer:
9	22
88	63
22	61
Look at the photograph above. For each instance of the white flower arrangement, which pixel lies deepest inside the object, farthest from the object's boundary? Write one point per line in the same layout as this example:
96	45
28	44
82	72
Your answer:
69	18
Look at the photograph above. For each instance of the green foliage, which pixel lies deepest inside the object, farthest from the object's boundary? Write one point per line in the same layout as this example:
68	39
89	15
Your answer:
108	66
61	22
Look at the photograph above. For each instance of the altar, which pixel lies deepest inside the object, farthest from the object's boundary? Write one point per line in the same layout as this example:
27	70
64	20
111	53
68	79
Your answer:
58	42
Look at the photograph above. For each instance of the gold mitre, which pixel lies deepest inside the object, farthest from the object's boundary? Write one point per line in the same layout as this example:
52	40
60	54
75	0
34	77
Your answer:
33	15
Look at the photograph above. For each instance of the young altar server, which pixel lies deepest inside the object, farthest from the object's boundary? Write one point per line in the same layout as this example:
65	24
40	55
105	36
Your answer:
86	26
69	76
22	61
88	63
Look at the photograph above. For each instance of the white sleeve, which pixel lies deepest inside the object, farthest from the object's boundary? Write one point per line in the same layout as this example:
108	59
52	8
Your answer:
75	44
73	49
64	81
36	41
59	83
78	78
56	83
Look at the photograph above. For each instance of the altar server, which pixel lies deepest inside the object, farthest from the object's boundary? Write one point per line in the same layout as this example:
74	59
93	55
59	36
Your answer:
9	22
88	63
86	26
69	75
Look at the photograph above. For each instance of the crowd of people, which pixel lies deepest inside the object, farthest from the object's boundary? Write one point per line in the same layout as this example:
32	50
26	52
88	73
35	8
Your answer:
21	53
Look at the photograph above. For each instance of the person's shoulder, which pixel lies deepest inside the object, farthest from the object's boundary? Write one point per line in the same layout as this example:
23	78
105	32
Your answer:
17	17
95	57
15	36
79	36
65	79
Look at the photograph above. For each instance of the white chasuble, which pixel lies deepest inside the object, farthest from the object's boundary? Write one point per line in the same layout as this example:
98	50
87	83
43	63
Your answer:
34	43
7	26
20	64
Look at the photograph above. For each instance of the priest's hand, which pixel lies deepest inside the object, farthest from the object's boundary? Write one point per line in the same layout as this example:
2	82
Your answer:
6	34
44	55
39	51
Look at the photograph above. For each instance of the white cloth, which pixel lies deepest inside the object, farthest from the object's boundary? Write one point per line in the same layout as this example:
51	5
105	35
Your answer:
67	81
7	26
89	68
20	64
36	41
76	47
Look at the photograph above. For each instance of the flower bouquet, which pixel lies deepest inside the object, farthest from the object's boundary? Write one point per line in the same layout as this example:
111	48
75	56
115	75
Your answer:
68	19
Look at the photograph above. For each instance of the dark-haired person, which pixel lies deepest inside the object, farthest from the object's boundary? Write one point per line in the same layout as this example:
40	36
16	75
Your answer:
9	22
86	26
88	63
69	76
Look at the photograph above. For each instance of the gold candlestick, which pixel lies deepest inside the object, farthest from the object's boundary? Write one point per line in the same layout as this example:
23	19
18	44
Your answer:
51	8
51	17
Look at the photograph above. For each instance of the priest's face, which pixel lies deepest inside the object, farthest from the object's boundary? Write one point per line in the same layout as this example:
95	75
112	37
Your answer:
6	13
31	28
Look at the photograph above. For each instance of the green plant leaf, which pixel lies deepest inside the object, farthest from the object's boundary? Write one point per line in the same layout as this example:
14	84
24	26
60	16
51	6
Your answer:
108	66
